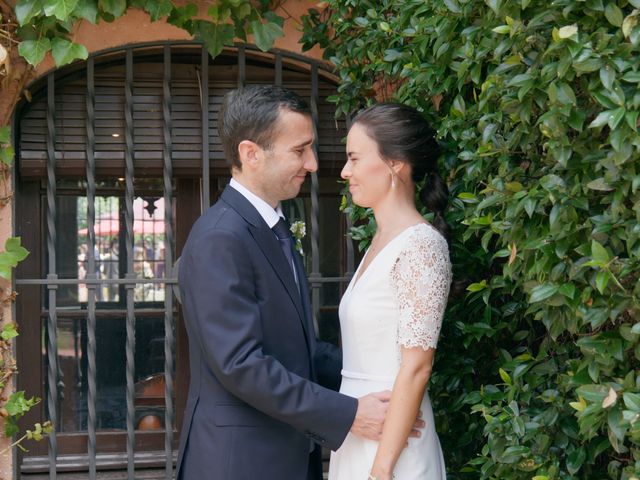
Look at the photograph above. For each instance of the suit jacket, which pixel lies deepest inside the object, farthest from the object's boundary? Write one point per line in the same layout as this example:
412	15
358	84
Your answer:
253	409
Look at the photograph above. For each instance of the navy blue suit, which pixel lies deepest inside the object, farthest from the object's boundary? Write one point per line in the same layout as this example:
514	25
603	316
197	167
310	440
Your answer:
253	409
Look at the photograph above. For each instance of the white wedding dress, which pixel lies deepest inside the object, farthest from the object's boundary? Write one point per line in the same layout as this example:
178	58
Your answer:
399	300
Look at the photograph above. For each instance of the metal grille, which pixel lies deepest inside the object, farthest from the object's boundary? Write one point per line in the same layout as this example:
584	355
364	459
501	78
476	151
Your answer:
171	154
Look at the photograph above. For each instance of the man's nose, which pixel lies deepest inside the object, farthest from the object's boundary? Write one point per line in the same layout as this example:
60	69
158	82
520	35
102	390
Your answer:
311	162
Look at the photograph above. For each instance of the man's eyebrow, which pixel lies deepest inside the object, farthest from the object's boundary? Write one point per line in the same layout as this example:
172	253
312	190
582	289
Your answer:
304	144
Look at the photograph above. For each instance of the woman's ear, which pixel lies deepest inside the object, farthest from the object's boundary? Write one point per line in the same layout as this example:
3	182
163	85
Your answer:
248	152
397	166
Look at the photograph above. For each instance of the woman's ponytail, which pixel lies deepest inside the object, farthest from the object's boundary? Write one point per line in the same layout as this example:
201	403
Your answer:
435	198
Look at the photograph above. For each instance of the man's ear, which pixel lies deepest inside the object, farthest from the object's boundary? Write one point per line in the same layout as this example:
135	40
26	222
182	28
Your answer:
248	153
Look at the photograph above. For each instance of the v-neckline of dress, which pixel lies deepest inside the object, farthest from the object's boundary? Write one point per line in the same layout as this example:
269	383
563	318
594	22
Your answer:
358	276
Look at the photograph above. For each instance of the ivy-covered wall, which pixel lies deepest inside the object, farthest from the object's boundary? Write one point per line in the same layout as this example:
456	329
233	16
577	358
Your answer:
537	106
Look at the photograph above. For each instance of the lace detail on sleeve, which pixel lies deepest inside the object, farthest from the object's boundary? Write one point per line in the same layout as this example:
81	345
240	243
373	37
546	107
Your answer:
421	278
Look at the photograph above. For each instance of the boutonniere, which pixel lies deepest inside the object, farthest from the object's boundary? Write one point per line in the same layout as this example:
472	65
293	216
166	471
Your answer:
299	230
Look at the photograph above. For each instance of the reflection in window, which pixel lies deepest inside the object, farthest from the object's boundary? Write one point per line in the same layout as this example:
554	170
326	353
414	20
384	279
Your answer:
111	408
148	248
110	254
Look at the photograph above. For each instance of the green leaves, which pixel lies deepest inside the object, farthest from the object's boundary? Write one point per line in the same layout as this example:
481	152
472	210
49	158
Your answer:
542	292
61	9
181	16
391	55
65	52
593	393
632	401
608	117
39	431
607	77
158	8
613	14
629	23
599	254
47	24
453	5
575	460
8	331
600	184
567	31
538	127
214	36
13	253
501	29
27	9
87	9
6	150
265	33
114	8
33	51
477	287
5	135
17	405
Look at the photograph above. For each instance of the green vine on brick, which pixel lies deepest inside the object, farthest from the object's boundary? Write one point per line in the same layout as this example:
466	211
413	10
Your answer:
46	25
14	405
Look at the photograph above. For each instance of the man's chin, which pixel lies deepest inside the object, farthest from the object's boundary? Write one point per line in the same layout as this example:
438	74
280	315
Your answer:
293	191
290	194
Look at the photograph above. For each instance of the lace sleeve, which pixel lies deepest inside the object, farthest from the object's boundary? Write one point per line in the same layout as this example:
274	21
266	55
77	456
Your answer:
421	278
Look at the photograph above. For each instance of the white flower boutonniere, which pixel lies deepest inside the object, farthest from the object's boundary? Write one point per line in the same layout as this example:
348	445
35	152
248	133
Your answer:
299	230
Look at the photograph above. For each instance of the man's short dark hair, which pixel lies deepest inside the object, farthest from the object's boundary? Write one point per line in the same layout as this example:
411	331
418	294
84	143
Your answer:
251	113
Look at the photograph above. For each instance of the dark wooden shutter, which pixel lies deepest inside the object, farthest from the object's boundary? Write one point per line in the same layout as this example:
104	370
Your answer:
70	141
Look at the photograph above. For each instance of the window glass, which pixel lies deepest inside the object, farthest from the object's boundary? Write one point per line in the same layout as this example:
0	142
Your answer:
110	254
111	382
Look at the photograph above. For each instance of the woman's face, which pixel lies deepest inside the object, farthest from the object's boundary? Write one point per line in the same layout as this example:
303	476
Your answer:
368	174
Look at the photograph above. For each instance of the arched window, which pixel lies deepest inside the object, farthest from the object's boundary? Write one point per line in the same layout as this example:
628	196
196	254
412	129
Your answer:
116	158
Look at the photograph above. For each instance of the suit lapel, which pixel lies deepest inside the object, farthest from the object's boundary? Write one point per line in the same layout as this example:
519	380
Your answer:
304	293
271	249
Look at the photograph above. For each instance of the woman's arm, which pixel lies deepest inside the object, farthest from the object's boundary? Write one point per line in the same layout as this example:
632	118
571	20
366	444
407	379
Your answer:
408	391
421	279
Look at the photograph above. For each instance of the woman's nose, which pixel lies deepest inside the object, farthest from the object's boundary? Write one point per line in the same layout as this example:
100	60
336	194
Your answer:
345	173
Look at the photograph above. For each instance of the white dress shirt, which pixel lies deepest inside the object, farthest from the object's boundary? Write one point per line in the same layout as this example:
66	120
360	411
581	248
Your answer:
265	210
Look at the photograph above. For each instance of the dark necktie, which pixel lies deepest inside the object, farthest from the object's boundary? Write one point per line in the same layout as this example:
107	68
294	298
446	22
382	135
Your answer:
283	232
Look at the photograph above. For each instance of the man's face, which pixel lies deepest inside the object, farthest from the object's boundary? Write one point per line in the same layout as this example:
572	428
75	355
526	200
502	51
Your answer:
285	165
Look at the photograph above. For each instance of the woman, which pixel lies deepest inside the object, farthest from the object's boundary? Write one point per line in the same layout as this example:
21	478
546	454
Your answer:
392	310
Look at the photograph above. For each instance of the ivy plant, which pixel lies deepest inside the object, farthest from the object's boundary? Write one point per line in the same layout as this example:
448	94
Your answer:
536	105
13	405
46	25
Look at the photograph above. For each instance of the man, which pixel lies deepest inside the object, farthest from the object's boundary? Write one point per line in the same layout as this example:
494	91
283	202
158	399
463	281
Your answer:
253	410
